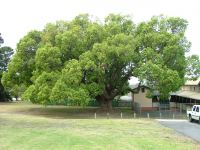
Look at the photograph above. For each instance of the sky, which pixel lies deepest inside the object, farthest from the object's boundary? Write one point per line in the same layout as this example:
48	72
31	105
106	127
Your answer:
21	16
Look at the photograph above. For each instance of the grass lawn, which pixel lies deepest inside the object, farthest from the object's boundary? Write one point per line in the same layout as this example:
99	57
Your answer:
32	127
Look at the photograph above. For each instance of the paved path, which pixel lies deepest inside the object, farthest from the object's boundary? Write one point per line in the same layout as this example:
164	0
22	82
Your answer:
185	127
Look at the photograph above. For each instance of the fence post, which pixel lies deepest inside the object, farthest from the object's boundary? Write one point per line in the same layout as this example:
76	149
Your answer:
160	115
121	115
159	107
107	115
95	115
148	115
173	116
134	115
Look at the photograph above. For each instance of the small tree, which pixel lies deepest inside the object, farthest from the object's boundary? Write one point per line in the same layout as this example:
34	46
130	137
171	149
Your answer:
5	56
1	40
193	67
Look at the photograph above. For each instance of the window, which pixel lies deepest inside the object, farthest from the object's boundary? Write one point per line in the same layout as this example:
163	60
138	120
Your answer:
143	90
155	99
197	109
194	108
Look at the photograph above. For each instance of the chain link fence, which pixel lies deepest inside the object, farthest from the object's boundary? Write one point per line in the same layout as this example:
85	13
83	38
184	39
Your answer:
163	111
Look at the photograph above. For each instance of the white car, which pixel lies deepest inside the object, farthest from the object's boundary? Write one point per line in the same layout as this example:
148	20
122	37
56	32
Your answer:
194	114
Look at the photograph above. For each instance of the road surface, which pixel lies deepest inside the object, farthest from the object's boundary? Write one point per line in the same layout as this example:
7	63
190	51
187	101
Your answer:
185	127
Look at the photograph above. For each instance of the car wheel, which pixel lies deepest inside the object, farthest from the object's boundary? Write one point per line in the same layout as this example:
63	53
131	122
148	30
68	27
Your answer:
190	118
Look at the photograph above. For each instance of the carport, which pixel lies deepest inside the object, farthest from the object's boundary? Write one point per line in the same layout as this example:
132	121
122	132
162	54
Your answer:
184	99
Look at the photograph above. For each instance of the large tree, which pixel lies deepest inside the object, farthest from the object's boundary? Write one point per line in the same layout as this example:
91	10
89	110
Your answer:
84	59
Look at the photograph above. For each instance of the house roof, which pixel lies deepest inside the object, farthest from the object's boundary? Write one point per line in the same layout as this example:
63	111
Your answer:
187	94
191	82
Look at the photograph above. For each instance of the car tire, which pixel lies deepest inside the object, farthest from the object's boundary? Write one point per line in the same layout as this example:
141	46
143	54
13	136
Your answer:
190	118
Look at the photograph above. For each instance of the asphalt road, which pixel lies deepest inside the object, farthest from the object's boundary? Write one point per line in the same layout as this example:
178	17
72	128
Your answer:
184	127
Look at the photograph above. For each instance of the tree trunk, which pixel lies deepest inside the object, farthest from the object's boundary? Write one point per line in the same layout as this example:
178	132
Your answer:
106	97
16	97
106	104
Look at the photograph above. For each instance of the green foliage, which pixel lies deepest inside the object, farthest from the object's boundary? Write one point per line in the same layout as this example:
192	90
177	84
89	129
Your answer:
69	85
1	40
193	67
83	59
160	78
5	56
48	59
40	91
30	94
22	65
162	46
116	24
4	95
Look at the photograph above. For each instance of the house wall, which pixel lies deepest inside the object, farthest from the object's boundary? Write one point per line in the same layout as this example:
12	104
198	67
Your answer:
194	88
144	102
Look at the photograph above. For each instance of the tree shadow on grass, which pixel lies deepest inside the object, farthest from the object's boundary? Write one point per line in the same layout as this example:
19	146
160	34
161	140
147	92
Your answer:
66	112
79	113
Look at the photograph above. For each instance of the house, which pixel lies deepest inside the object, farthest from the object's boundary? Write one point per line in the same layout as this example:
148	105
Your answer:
193	86
138	98
189	94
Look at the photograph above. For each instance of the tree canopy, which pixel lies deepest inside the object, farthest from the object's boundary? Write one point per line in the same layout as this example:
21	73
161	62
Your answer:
82	59
193	67
1	40
162	46
5	56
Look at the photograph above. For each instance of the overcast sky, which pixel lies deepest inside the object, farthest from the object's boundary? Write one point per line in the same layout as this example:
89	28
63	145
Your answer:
20	16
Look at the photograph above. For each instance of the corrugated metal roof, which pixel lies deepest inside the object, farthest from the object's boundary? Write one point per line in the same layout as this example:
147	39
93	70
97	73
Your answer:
191	82
187	94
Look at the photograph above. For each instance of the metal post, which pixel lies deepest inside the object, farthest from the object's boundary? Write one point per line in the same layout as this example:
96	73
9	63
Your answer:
121	115
173	116
95	115
148	115
134	115
160	115
107	115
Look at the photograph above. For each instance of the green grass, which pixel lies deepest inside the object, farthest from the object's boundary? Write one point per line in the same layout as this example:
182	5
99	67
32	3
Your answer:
32	127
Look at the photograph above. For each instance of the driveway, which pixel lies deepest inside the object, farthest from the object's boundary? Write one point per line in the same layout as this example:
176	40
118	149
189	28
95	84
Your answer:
185	127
